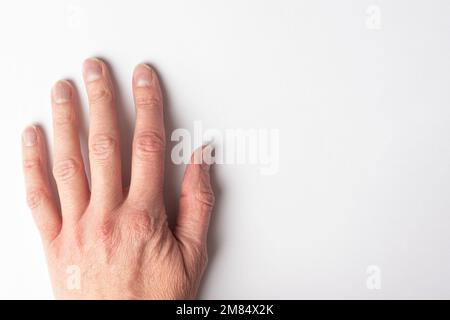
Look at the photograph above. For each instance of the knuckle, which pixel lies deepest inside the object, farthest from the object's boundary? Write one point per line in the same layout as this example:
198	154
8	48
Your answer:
99	93
32	164
35	197
64	170
64	115
102	146
104	232
147	101
148	143
141	225
205	197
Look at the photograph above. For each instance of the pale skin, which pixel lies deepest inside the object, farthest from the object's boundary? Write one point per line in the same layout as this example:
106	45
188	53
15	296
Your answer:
117	237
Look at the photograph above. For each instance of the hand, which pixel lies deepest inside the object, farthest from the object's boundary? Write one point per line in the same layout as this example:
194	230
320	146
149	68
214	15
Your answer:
104	242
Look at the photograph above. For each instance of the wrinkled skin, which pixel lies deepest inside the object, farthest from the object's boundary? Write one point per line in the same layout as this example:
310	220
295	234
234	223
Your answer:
105	241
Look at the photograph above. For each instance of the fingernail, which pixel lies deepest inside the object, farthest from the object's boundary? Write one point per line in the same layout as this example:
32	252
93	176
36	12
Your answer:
61	92
143	76
207	157
92	70
29	136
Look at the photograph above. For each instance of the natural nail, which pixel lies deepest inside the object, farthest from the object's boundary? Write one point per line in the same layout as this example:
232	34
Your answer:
143	76
29	136
62	92
92	70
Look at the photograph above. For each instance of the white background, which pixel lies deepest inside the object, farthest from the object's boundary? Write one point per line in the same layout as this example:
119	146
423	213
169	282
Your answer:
363	116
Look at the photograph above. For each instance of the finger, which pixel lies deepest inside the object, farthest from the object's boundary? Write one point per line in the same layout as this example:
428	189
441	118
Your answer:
68	168
40	197
196	200
147	173
104	148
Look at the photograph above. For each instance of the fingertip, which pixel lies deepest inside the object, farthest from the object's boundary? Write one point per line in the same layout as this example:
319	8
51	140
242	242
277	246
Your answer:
144	66
203	156
90	60
207	156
